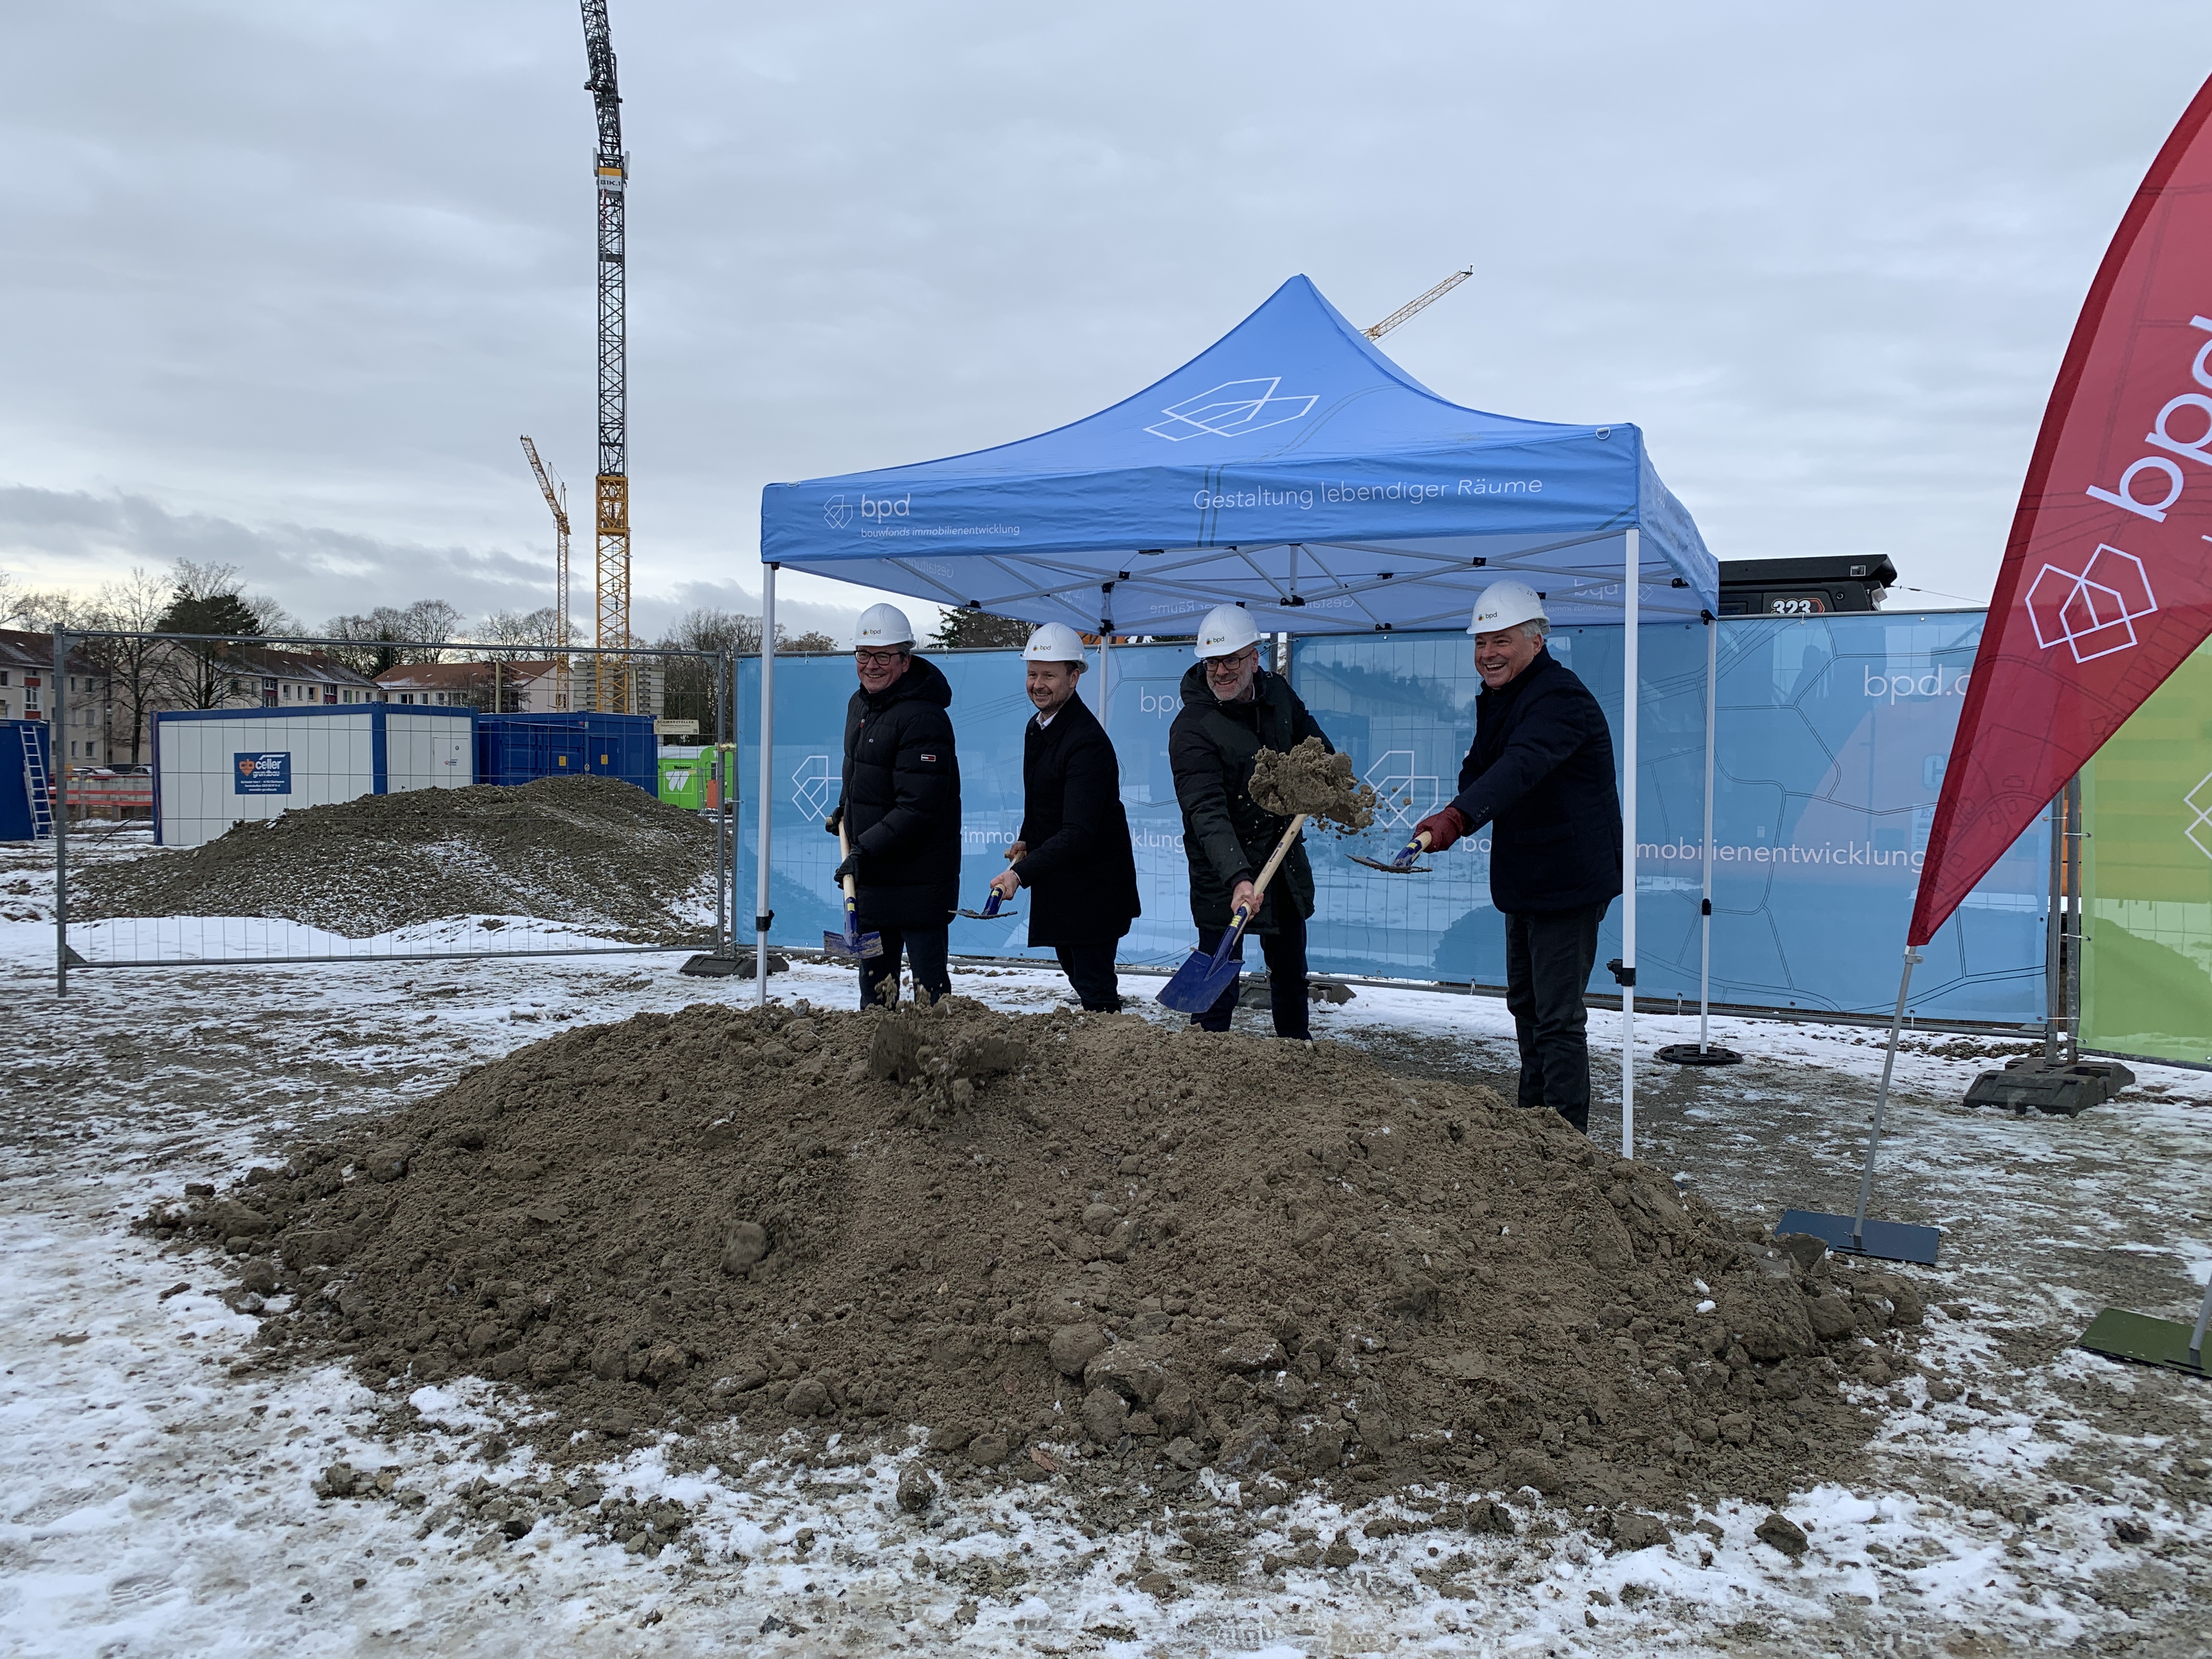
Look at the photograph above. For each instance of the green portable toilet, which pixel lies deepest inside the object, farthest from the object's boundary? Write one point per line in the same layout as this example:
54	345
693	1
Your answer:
684	775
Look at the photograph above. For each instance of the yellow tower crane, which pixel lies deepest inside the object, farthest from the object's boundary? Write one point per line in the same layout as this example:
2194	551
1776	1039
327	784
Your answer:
1422	303
557	499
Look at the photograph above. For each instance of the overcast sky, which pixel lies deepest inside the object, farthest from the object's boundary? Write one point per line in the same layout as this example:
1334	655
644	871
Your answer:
286	280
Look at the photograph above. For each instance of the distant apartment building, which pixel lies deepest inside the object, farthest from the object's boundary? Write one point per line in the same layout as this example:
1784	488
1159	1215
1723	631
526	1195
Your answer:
26	693
526	687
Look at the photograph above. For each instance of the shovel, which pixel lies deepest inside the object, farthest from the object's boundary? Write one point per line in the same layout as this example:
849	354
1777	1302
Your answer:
851	944
1403	865
1197	984
990	912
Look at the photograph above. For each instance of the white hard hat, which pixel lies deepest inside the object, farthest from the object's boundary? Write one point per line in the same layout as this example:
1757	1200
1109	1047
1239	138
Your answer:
1054	642
882	624
1226	630
1505	603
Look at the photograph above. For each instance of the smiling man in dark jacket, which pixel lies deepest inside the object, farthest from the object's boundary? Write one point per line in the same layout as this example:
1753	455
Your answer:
1232	709
1540	774
1074	851
901	807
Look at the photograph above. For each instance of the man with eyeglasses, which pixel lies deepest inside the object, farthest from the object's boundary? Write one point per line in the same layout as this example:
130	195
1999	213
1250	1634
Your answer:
901	807
1233	707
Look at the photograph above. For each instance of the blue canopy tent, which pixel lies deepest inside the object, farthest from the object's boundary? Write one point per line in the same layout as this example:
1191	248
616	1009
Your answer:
1289	468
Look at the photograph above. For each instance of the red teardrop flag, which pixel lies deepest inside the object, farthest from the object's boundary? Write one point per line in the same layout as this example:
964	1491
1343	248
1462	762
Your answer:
2106	585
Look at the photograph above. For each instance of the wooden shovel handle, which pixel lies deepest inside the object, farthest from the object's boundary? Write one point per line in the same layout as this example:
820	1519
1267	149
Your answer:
1276	863
844	856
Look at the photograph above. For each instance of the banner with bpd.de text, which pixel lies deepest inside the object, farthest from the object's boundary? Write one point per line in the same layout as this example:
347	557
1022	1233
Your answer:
1833	736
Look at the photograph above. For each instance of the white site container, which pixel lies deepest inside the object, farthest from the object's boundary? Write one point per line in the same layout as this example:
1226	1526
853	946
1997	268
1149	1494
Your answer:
214	767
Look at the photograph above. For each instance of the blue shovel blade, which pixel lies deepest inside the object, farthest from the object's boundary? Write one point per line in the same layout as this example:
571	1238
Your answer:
1197	984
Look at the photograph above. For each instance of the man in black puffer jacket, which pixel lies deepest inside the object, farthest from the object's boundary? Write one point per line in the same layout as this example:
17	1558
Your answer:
1074	851
1231	710
1540	774
901	807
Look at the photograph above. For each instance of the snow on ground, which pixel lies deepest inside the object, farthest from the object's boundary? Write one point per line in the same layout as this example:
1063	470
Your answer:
156	1480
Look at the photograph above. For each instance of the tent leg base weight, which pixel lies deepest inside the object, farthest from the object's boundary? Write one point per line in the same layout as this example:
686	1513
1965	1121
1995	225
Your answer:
739	966
1886	1241
1688	1053
2119	1334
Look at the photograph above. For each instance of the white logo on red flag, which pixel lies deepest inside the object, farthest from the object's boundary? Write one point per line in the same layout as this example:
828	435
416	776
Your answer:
2093	612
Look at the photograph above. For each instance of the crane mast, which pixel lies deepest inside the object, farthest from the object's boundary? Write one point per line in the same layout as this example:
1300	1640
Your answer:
611	677
1412	306
557	500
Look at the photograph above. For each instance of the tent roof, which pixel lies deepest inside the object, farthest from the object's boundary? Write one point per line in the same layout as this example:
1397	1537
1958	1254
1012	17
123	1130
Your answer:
1290	467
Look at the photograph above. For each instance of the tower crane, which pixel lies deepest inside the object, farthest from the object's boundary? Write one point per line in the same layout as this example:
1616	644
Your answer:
611	677
1422	303
558	500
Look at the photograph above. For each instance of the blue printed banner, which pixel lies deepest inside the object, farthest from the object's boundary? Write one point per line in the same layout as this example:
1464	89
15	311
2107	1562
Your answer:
1833	732
267	774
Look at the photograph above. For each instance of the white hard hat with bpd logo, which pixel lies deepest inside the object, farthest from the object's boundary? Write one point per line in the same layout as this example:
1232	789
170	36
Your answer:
882	625
1506	605
1054	642
1226	630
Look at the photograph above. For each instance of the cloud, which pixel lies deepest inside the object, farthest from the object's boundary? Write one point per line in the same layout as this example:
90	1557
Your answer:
1827	258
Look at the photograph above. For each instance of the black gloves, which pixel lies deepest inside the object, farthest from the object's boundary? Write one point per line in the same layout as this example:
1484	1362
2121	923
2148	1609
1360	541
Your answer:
851	867
836	816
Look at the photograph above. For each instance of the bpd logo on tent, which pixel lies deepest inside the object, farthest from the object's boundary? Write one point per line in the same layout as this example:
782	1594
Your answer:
836	513
1231	410
2093	613
261	775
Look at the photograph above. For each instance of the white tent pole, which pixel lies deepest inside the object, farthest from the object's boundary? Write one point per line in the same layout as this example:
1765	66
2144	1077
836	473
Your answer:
1705	904
762	915
1631	697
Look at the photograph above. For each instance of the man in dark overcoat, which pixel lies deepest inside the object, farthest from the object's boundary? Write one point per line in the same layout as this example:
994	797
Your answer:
1074	851
1540	773
1233	707
901	807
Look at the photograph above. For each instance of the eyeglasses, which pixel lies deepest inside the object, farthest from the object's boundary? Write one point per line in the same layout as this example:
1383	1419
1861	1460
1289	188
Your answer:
1236	660
876	658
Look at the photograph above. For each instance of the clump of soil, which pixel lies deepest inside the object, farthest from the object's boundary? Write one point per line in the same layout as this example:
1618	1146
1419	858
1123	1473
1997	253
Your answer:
589	850
1312	781
1060	1236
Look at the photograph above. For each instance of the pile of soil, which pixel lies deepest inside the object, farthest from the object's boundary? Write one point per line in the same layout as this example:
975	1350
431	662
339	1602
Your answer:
594	851
1062	1237
1309	779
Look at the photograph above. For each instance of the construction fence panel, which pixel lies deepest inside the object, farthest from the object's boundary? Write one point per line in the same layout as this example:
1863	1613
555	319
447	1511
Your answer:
2147	876
1833	735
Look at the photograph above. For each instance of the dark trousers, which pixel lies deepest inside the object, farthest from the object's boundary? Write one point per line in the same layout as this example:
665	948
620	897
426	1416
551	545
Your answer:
1286	951
925	949
1090	970
1548	957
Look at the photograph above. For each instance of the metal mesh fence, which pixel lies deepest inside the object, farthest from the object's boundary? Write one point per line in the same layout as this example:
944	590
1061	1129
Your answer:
320	801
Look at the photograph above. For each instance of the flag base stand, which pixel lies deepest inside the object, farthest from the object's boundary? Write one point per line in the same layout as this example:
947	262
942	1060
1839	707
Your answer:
1689	1054
2119	1334
736	965
1887	1241
1854	1234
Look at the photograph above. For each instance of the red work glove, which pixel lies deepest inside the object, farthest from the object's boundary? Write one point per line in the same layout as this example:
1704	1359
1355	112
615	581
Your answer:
1443	828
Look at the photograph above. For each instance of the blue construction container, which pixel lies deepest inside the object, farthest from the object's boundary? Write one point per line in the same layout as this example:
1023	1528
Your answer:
518	747
23	758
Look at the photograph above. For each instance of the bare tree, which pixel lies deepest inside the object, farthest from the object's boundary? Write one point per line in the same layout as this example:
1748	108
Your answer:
131	607
376	636
203	600
529	630
804	645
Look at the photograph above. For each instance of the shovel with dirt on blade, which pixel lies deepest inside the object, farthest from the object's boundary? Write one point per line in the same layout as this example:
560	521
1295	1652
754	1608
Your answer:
851	945
1407	862
990	912
1197	984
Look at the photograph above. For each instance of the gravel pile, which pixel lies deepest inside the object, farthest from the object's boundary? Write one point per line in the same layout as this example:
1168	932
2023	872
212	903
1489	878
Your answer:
591	851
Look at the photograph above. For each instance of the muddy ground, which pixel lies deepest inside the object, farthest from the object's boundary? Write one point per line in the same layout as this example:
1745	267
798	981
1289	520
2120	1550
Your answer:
159	1469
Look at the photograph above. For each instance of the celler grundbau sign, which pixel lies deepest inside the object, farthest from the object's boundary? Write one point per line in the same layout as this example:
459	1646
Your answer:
265	773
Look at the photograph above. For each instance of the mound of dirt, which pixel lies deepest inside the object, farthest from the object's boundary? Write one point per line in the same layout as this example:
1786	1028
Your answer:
594	851
1062	1236
1311	780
